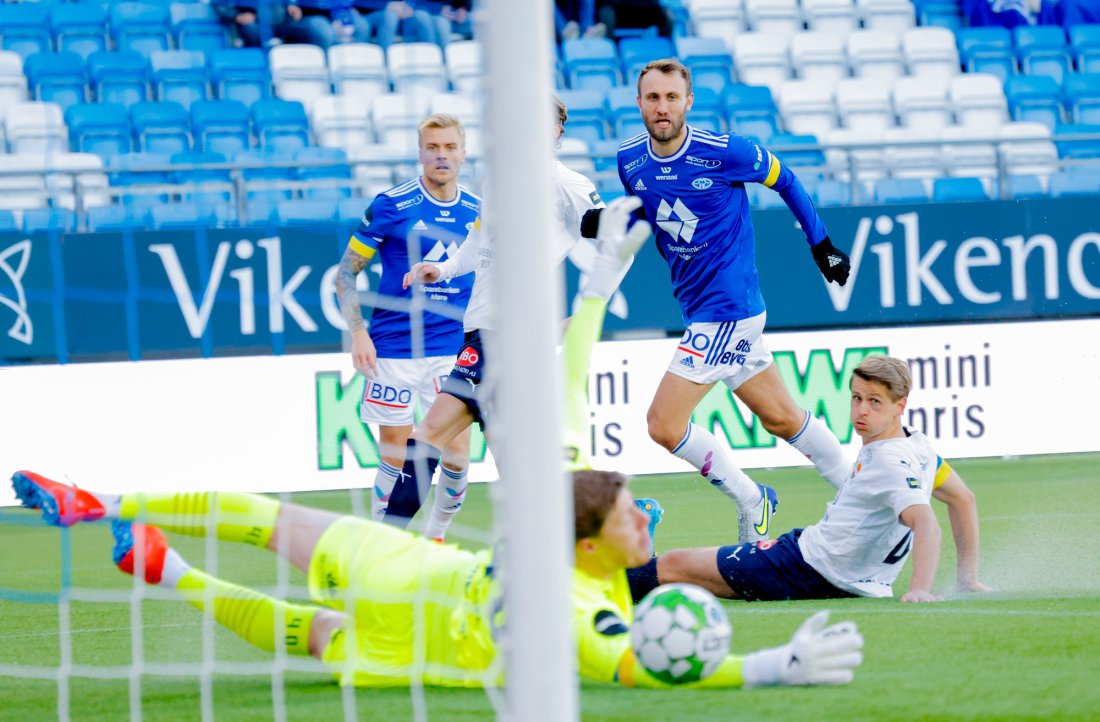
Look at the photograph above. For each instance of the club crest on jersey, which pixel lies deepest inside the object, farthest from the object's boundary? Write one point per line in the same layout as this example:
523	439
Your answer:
702	183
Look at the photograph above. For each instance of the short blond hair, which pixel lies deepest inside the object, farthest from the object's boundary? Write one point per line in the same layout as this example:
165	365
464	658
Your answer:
668	66
441	120
893	373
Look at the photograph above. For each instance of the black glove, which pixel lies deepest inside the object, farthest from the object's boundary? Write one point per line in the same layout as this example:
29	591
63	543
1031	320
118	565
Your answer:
831	261
590	223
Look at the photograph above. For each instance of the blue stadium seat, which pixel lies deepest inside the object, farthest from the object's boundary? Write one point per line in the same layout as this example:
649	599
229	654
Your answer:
180	76
280	125
48	219
196	27
113	218
1034	98
591	63
637	52
622	111
135	171
710	62
1077	149
214	182
832	193
900	190
56	77
1084	42
951	190
810	162
265	171
1042	50
24	27
100	128
121	76
263	211
605	157
707	111
1075	183
587	115
1082	93
609	188
937	13
337	169
351	210
7	222
182	215
239	74
1024	187
987	50
220	126
751	111
140	26
307	211
79	27
161	127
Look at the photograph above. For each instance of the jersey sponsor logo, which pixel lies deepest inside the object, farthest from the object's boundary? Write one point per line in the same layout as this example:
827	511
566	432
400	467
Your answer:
608	624
677	220
766	544
702	183
469	357
702	162
414	201
443	219
913	482
639	186
383	395
715	351
420	225
666	174
470	205
636	163
595	198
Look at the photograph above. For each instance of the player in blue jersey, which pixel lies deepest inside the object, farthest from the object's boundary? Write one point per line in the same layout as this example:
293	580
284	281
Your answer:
692	186
406	355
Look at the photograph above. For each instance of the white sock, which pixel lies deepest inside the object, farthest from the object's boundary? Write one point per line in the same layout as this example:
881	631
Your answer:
384	481
818	444
700	449
112	503
174	569
450	492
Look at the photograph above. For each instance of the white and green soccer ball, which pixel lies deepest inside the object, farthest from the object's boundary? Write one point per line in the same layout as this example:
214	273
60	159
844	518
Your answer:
680	633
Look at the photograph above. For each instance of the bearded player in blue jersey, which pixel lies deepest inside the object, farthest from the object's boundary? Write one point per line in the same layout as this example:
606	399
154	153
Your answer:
692	186
409	348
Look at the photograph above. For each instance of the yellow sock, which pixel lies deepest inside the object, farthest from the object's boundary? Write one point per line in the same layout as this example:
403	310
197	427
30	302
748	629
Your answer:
247	613
239	517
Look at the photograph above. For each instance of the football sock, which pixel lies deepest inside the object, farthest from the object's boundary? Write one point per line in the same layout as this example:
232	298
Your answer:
247	613
384	481
238	517
643	579
580	338
818	444
700	449
450	492
412	485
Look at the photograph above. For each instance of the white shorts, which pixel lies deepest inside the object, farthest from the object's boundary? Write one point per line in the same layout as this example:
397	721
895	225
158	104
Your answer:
731	352
390	399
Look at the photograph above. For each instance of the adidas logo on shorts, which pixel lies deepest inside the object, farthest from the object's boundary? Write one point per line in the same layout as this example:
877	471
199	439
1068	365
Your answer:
687	361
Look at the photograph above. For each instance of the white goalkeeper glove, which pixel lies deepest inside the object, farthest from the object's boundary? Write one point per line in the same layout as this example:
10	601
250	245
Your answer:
816	654
616	246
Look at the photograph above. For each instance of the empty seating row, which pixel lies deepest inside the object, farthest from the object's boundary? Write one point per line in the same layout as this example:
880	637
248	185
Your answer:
1043	50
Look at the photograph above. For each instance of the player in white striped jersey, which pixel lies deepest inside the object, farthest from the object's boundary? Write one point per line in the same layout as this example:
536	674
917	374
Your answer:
880	514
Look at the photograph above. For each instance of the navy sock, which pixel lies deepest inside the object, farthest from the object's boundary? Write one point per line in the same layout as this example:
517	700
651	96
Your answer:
413	483
643	579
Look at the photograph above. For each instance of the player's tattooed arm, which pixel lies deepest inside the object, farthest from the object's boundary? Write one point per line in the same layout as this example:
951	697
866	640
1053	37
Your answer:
351	265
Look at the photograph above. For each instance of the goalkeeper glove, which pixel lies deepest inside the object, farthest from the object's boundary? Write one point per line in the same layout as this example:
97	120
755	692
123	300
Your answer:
616	246
816	654
831	261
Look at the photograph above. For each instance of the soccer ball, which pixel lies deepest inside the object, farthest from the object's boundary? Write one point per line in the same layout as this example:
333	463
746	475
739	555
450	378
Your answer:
680	633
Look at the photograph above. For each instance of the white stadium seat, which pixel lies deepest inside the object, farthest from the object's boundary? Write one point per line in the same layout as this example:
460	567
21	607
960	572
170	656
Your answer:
819	56
807	107
416	65
762	59
931	51
875	55
1027	149
720	19
20	192
35	127
13	84
895	16
299	72
395	118
340	121
782	17
970	159
358	69
464	65
83	170
979	100
868	163
864	104
921	102
831	16
574	154
912	153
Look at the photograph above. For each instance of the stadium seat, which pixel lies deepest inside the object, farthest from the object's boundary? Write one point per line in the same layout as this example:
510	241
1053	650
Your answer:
1078	182
956	190
182	215
894	16
807	107
307	212
752	111
141	27
591	63
1027	149
710	63
210	185
969	152
195	26
350	210
100	128
940	14
864	105
56	77
375	167
838	17
120	76
7	222
416	65
1023	187
1082	94
978	99
73	175
24	27
298	72
161	127
831	194
900	190
637	52
913	154
713	19
1084	41
707	111
35	127
280	125
358	69
268	174
819	57
143	176
79	27
103	219
37	220
762	59
262	212
13	84
781	17
239	74
931	52
220	126
575	154
605	156
987	50
463	63
1035	98
395	121
327	171
1042	50
921	102
339	121
858	151
622	111
179	76
23	184
587	114
875	56
810	162
1073	148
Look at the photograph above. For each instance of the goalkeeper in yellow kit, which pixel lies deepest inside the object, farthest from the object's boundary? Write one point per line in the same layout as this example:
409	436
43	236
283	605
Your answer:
423	612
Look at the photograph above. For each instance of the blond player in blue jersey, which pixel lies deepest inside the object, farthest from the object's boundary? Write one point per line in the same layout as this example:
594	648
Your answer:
368	606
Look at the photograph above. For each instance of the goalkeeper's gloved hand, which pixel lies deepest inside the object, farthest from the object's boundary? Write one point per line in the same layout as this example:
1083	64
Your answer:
831	261
816	654
617	240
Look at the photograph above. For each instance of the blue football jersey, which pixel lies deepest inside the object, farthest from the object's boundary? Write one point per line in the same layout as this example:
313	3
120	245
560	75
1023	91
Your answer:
405	225
696	201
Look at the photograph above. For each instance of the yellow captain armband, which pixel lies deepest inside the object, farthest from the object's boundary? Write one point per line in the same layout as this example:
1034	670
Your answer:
943	471
773	170
361	248
477	223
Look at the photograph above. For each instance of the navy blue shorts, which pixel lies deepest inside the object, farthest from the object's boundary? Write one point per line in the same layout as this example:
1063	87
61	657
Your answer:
773	570
464	381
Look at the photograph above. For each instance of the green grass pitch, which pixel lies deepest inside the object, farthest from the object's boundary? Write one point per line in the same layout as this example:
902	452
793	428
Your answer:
1029	651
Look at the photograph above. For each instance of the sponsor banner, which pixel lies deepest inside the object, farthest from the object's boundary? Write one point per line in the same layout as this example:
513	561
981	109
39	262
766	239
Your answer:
292	423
